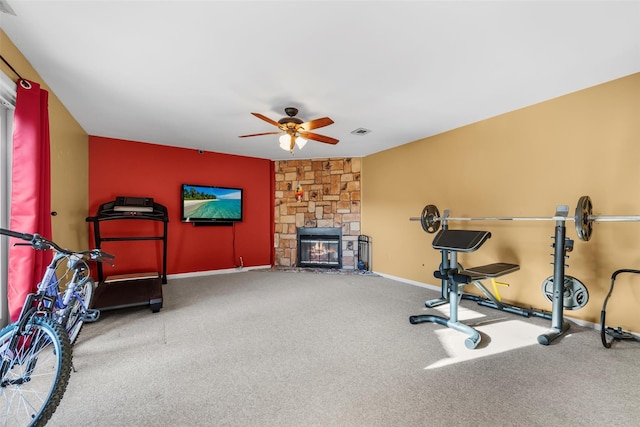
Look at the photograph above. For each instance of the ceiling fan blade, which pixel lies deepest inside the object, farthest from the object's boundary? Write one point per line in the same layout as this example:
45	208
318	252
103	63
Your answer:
320	138
317	123
259	134
267	119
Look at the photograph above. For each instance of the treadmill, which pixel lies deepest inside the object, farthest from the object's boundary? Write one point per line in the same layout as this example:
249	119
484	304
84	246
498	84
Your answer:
133	289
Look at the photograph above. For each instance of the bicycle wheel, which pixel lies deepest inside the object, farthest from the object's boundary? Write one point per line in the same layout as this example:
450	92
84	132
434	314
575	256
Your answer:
73	315
34	373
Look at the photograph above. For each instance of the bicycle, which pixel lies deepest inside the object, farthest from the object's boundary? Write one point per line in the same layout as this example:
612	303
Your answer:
72	306
35	350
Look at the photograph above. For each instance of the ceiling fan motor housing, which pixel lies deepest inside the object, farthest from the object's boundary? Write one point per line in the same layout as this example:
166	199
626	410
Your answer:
290	120
291	112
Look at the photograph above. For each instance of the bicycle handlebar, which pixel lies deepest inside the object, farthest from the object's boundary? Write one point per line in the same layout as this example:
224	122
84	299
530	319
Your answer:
35	240
40	243
11	233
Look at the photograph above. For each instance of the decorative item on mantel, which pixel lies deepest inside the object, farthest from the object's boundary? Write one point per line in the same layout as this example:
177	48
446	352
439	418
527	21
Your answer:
299	193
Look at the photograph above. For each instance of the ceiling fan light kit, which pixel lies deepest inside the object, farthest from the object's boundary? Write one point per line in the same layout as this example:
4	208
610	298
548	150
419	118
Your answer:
294	131
288	141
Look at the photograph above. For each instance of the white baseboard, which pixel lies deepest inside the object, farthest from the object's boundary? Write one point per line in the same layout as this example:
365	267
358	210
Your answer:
212	272
410	282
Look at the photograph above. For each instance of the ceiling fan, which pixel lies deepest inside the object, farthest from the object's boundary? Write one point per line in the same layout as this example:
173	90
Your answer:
294	130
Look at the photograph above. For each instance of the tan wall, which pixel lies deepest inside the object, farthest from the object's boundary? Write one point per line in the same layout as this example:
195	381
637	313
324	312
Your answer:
69	158
523	163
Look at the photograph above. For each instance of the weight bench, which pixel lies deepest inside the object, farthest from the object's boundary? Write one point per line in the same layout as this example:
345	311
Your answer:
450	242
491	271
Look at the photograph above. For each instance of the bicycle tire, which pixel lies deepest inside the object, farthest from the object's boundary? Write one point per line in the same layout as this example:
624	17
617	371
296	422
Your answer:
36	372
73	314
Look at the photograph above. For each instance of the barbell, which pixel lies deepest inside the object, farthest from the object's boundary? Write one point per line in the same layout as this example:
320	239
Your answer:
583	217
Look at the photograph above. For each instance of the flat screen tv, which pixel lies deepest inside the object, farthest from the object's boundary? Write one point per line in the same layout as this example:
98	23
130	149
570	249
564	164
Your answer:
209	204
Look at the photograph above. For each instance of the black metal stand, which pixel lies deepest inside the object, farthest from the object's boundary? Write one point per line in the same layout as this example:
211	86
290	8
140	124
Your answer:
561	246
136	289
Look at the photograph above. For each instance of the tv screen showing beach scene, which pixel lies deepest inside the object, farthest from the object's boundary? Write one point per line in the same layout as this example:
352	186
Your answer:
203	203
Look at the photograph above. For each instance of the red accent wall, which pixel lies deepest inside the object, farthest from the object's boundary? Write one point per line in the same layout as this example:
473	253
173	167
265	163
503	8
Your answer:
127	168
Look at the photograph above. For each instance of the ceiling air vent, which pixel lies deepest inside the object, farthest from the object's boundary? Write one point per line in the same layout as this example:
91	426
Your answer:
361	131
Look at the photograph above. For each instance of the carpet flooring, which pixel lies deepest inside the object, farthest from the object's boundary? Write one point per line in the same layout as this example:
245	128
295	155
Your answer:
291	348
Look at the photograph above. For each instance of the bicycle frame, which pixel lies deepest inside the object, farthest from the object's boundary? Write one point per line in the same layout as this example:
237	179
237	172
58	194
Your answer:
52	288
31	388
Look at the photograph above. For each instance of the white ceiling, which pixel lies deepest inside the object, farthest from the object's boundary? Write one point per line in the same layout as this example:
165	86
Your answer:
189	73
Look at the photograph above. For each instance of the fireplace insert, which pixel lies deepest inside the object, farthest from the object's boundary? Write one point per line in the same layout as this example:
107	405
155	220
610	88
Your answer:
320	247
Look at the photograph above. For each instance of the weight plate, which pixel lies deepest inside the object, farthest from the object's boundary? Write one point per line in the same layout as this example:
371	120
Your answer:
584	224
430	219
575	295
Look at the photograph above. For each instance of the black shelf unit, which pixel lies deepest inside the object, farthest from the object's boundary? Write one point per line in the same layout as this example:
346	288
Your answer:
130	291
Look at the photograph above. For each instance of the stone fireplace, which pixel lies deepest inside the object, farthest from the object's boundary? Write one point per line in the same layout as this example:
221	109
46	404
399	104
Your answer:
320	247
330	199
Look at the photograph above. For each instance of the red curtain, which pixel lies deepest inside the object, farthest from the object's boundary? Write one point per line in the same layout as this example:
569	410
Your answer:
30	192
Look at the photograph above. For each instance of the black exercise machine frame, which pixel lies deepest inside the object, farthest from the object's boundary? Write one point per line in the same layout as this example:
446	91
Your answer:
616	333
133	289
106	212
452	277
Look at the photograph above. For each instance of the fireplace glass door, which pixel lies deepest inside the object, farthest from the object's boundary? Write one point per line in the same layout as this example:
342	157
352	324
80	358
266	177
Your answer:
319	251
319	248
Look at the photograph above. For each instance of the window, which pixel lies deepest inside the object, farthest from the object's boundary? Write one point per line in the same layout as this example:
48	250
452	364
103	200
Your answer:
7	106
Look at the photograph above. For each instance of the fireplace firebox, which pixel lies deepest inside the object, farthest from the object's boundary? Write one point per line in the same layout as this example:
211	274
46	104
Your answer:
320	247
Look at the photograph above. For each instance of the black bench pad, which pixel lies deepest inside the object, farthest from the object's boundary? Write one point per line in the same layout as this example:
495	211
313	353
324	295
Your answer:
460	240
490	270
